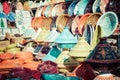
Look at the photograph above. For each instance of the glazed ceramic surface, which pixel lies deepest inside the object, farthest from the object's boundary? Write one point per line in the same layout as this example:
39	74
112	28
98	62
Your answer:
64	61
81	24
61	22
42	35
75	24
81	50
96	6
103	54
108	23
88	33
80	7
52	36
72	7
52	54
96	36
66	39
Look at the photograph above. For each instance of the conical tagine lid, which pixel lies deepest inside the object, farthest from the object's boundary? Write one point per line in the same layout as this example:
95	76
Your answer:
103	54
66	37
64	60
52	35
81	49
42	35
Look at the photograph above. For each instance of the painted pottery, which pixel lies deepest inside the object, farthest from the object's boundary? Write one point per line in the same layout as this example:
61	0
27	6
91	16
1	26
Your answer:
66	39
61	22
52	76
52	35
72	7
48	67
103	57
92	19
81	50
52	54
103	5
88	8
42	35
108	23
96	6
96	36
65	62
81	24
43	52
88	34
75	25
80	7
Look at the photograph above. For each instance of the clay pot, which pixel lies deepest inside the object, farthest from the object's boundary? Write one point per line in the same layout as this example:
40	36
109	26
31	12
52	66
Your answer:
6	56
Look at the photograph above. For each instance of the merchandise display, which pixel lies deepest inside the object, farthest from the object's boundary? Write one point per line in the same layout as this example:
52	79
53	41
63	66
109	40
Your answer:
59	40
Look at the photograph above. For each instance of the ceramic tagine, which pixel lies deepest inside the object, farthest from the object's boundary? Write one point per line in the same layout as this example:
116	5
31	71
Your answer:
102	57
66	39
42	35
81	50
65	62
53	34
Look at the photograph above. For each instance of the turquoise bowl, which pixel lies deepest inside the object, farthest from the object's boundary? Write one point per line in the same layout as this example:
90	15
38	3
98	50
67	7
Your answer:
80	7
52	77
72	78
71	8
108	23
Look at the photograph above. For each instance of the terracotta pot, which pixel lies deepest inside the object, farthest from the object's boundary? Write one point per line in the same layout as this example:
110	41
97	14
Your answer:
26	56
32	65
6	56
13	61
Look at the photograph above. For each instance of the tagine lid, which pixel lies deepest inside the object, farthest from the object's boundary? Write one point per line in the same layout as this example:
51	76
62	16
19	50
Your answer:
42	35
81	49
103	54
66	37
52	35
64	60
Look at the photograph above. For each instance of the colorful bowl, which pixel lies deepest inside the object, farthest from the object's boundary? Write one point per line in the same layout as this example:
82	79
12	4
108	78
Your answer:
108	23
80	7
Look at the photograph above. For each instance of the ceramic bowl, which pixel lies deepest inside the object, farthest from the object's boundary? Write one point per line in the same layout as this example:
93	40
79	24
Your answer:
52	77
108	23
96	6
